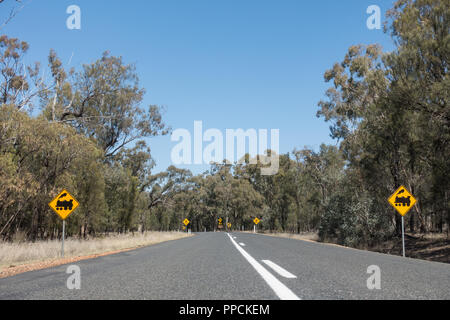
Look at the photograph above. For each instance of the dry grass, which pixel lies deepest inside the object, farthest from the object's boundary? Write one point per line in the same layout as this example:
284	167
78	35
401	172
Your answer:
430	246
14	254
308	236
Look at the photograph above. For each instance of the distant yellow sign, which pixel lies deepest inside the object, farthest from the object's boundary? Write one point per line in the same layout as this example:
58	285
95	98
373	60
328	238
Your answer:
229	224
64	204
186	222
402	200
256	221
220	220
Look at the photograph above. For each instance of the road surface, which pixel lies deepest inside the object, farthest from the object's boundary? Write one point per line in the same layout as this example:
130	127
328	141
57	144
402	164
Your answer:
235	266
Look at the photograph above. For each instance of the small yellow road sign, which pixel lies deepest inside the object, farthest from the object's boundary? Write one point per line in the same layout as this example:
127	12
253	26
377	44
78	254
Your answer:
220	220
402	200
256	221
186	222
64	204
229	224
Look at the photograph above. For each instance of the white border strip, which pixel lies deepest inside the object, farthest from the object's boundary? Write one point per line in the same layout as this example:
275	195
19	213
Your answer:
281	271
283	292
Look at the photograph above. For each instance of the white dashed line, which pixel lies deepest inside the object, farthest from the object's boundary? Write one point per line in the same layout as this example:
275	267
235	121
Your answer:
283	292
282	272
242	244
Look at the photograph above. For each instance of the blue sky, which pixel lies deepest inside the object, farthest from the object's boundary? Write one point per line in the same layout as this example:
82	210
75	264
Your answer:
231	64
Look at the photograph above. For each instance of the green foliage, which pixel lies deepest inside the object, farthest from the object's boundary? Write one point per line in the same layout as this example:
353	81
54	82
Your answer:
353	217
391	112
38	159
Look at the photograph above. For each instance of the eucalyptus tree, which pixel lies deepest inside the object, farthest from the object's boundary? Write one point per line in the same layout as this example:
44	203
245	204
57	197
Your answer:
103	100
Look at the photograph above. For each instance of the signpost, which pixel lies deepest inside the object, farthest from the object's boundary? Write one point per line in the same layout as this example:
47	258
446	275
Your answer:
220	226
402	201
64	204
186	222
255	221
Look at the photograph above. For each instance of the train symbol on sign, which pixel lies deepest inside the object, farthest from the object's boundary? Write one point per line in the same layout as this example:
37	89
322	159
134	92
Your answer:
64	204
402	201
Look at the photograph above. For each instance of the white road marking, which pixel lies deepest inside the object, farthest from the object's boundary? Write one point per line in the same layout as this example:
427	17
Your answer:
283	292
282	272
242	244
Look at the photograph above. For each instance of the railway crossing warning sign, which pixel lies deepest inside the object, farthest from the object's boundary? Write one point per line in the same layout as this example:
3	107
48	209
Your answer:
256	221
402	200
186	222
64	204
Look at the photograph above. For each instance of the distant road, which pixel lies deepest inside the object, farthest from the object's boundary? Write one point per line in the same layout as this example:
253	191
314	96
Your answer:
218	266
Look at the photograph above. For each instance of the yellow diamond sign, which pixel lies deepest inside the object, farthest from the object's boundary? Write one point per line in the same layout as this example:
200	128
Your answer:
186	222
402	200
256	220
64	204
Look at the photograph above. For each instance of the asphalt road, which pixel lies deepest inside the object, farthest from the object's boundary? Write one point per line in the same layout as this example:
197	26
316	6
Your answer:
235	266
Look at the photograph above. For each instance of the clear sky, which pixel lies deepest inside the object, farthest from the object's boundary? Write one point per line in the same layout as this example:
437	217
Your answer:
229	63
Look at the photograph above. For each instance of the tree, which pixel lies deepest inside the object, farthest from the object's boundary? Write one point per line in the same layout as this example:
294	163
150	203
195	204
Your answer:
18	83
15	8
163	186
102	101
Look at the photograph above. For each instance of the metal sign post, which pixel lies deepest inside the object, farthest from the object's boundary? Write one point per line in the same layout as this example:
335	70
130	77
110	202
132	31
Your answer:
64	230
403	235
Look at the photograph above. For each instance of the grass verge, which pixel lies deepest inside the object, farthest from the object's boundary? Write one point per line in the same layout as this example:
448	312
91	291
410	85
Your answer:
308	236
